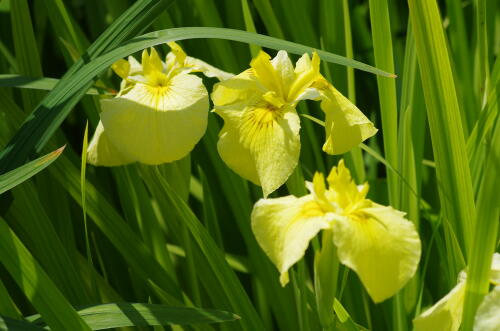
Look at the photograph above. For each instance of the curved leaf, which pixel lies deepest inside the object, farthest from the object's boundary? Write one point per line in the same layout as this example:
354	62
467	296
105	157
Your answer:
114	315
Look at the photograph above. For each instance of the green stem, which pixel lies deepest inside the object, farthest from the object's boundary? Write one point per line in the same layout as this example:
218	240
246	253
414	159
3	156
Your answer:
326	268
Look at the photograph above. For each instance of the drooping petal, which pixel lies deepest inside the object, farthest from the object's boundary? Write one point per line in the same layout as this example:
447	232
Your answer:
237	157
284	226
101	151
346	126
381	246
446	314
274	145
155	125
488	313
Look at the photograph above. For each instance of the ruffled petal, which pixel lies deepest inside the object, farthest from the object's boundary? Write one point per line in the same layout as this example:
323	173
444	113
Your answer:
446	314
346	126
284	226
488	313
381	246
101	151
154	125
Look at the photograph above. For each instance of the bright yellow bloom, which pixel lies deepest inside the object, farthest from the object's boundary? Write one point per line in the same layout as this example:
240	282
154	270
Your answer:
446	314
260	139
376	241
159	114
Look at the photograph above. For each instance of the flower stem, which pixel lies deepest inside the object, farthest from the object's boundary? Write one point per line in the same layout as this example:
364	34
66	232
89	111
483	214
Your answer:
326	267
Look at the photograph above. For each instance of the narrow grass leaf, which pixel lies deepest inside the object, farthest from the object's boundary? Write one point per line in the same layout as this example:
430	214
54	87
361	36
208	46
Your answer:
115	315
109	221
10	324
452	167
19	175
238	299
35	284
382	46
27	57
485	231
49	114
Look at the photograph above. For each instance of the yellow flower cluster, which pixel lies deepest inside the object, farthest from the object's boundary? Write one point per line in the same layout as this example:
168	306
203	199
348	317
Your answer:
160	114
161	110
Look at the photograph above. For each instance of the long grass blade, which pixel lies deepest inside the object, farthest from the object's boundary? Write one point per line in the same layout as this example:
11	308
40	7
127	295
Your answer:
35	284
453	174
19	175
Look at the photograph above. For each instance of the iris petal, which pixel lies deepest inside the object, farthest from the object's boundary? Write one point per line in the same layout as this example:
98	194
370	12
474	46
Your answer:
155	126
306	72
488	316
346	126
446	314
237	157
101	152
276	151
381	246
284	226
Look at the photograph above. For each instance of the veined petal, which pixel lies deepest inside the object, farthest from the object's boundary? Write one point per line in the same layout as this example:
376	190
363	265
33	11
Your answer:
346	126
237	157
381	246
488	313
306	73
446	314
284	226
155	125
101	151
274	145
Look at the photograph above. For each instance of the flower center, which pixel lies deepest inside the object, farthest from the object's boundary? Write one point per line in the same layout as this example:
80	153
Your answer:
257	121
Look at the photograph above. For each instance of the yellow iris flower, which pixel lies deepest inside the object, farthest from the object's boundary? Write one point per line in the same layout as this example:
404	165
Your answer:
375	241
159	114
446	314
260	139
